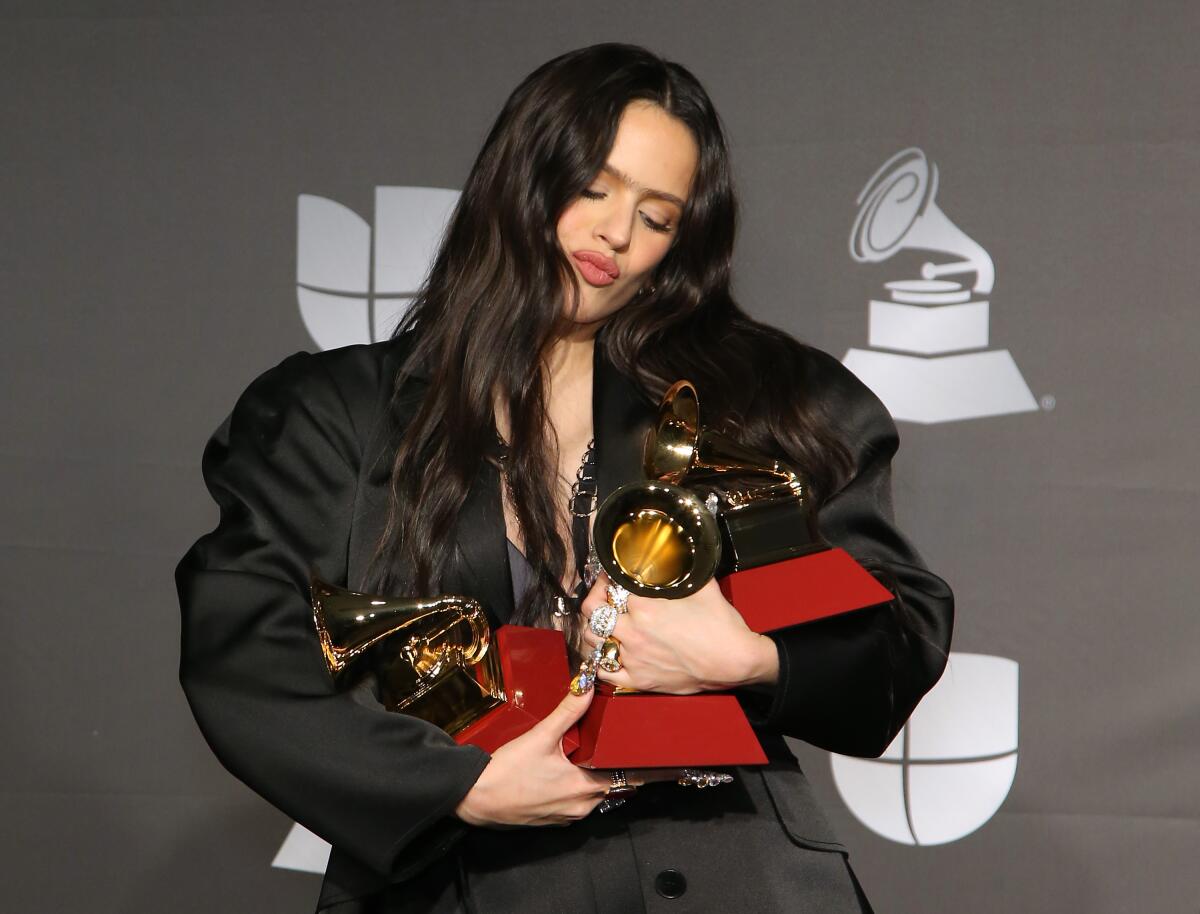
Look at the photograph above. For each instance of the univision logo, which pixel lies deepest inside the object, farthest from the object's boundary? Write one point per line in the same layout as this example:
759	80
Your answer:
354	285
949	770
929	360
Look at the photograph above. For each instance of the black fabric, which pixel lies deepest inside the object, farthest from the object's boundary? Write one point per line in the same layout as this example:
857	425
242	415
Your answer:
283	469
877	663
300	471
521	571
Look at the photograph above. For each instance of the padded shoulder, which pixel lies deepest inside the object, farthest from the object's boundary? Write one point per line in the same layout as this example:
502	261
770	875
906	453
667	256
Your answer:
859	415
353	381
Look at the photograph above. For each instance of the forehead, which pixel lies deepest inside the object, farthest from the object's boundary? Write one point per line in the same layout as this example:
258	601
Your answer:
655	151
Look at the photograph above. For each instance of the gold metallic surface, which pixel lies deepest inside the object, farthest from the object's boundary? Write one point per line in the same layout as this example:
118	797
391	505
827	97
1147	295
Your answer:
610	655
656	539
435	663
670	447
661	538
683	452
453	699
651	547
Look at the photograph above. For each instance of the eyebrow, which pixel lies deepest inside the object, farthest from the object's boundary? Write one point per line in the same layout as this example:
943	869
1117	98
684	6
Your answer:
649	192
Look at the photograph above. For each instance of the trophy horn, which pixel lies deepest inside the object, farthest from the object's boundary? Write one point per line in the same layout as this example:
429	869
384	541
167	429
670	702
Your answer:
668	537
681	451
442	630
657	539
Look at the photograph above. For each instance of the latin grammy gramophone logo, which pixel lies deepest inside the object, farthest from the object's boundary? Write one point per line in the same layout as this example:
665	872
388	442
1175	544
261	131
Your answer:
929	360
355	281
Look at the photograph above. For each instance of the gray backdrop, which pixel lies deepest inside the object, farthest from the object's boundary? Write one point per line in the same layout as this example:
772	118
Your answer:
153	156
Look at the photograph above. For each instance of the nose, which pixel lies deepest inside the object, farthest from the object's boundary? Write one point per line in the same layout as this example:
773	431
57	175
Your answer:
615	225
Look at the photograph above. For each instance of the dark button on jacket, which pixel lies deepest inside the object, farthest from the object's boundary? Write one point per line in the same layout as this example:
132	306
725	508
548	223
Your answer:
670	884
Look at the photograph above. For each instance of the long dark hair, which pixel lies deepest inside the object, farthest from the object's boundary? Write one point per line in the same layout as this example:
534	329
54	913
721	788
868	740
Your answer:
493	303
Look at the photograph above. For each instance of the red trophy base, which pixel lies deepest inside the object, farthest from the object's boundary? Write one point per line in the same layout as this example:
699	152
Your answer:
803	589
648	730
533	662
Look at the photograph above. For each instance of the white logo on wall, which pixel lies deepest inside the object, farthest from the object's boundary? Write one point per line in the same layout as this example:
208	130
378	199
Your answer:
948	771
929	360
302	851
350	291
352	287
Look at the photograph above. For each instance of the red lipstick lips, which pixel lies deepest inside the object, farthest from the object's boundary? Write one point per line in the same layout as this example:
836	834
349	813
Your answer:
596	268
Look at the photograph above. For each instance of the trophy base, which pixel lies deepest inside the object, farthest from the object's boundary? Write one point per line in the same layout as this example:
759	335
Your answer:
803	589
648	730
533	670
760	533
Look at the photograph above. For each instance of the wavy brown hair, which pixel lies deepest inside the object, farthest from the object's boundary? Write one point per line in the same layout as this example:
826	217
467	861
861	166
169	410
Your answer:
493	300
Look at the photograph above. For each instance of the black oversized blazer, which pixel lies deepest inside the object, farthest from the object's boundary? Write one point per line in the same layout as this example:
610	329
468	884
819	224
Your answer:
300	472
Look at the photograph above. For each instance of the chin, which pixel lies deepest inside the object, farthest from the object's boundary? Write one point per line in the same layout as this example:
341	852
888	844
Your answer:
592	313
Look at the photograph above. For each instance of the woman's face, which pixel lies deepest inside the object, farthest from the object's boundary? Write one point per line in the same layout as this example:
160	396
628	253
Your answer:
619	229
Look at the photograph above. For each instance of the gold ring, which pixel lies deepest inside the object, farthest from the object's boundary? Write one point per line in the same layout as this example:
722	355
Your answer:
610	655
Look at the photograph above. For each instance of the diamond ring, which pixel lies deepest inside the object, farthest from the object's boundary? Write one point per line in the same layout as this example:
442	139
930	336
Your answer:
603	620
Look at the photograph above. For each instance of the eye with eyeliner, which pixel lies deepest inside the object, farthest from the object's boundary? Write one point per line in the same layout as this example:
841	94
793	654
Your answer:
650	223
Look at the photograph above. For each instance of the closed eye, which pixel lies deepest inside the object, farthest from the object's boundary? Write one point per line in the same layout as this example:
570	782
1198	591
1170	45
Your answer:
650	223
655	226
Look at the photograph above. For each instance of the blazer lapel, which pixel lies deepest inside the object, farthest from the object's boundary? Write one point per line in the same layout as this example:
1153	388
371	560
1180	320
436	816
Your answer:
621	417
479	566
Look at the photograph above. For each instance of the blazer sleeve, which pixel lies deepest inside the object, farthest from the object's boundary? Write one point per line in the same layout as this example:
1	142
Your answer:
849	683
283	469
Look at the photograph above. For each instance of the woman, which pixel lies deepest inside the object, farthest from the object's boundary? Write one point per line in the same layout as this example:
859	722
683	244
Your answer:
585	269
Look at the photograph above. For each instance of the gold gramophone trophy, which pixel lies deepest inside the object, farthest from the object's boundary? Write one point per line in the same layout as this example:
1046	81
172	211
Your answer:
710	508
438	659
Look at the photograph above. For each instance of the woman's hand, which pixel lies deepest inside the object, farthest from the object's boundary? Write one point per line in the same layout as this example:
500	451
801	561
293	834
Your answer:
529	780
694	644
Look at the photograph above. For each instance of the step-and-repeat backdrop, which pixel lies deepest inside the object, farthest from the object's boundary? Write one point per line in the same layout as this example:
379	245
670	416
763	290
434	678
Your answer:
989	212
